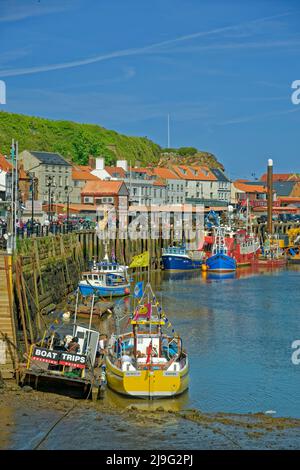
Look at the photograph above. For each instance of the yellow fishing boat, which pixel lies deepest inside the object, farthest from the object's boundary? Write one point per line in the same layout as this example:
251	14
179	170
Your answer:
146	362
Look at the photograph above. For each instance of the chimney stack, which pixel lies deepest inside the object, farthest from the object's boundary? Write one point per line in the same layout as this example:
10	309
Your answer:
122	164
99	163
92	162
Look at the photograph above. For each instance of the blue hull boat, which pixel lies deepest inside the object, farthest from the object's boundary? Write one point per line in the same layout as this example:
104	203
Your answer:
177	259
177	263
104	284
104	291
221	262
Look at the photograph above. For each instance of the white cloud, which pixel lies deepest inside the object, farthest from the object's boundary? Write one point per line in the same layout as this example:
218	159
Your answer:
156	47
14	10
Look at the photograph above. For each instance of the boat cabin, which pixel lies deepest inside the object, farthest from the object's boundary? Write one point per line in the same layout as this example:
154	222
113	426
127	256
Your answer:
174	250
103	279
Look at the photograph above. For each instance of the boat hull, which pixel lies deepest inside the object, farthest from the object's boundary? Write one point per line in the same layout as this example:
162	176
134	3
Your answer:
272	263
221	263
116	291
180	263
146	383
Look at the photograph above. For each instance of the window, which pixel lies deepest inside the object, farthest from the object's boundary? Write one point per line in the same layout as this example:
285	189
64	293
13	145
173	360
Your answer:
60	181
88	200
104	200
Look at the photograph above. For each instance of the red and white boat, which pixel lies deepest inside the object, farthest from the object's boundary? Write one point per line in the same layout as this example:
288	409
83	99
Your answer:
244	247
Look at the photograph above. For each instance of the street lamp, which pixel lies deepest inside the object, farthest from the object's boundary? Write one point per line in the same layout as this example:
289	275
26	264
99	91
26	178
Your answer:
68	190
32	179
50	183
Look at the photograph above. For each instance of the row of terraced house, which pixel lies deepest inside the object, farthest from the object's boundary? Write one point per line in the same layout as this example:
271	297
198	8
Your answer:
85	187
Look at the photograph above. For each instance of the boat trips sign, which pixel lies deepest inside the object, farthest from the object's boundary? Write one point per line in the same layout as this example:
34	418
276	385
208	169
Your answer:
58	357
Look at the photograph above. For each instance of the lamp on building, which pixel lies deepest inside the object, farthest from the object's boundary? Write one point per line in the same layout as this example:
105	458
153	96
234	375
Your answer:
68	190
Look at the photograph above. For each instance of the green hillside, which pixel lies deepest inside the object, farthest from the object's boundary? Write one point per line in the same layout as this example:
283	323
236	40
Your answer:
73	141
76	142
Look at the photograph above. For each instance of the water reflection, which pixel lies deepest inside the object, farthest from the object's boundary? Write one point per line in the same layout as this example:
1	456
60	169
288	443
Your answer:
116	400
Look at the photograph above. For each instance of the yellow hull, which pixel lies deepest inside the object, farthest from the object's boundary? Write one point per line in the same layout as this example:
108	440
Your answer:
147	383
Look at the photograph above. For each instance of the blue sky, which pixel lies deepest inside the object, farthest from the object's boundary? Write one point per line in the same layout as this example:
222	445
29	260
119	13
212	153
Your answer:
222	69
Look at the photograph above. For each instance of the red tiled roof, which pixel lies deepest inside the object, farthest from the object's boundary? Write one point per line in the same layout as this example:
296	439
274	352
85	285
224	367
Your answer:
83	175
116	169
249	188
165	173
199	173
4	164
288	198
282	177
100	187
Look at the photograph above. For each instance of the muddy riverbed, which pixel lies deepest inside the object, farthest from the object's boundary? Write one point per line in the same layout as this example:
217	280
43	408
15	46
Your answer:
36	420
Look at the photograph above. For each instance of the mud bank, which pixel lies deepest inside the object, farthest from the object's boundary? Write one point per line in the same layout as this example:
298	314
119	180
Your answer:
36	420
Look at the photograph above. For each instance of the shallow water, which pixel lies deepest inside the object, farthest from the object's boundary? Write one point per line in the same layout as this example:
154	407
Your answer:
238	330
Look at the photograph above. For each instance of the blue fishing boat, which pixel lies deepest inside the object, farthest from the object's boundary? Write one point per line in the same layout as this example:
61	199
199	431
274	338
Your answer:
220	261
177	258
104	284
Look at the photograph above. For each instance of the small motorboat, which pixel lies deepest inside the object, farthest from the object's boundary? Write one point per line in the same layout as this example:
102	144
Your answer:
104	284
147	362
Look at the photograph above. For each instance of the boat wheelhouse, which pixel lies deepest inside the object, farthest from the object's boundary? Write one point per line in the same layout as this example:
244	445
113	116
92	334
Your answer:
108	267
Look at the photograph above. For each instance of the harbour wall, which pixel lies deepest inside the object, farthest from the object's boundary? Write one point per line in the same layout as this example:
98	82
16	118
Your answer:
46	269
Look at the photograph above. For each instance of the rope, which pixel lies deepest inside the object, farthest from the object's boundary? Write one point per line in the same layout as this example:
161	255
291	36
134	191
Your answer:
52	427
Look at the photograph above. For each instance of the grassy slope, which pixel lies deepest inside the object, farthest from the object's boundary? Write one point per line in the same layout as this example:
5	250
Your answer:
76	142
73	140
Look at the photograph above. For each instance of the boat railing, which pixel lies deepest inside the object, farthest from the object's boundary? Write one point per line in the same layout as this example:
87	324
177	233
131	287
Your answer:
173	251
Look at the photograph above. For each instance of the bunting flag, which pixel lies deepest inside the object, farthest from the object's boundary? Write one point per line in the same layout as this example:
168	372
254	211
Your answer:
140	261
138	289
